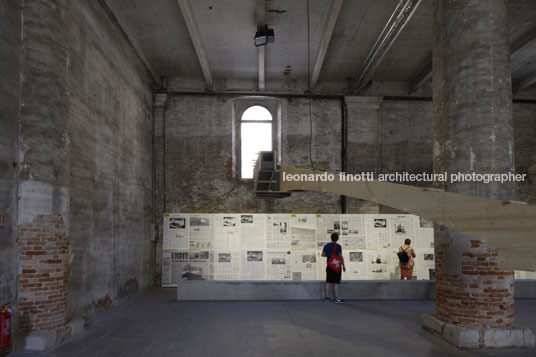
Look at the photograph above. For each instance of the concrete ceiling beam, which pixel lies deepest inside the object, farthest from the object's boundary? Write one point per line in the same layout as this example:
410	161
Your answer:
326	34
195	36
397	22
260	12
525	83
527	39
125	29
424	74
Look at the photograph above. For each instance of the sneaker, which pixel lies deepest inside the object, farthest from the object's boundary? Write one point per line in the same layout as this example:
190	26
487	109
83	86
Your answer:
338	300
327	299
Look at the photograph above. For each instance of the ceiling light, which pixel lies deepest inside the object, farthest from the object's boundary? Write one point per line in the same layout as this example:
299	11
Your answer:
264	35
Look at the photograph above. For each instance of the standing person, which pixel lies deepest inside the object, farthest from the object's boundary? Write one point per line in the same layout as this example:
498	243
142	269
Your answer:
406	269
333	277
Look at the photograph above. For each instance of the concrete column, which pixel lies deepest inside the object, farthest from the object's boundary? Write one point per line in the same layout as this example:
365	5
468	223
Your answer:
10	43
473	127
44	136
44	176
159	106
363	147
472	133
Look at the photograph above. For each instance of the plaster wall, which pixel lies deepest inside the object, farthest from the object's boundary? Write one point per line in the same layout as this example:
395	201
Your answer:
110	121
86	141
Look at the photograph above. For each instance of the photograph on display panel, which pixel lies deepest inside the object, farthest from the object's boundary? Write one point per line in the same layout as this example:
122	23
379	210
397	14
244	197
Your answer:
175	231
356	265
201	232
278	232
226	232
227	265
302	238
174	264
304	264
278	265
252	231
253	265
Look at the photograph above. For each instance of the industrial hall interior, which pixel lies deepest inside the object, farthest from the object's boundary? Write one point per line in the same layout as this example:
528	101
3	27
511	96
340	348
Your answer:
267	178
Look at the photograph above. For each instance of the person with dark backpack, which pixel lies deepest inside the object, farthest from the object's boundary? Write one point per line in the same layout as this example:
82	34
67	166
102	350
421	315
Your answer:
333	252
406	262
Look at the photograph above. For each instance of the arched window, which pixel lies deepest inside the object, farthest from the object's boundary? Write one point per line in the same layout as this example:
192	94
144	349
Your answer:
255	136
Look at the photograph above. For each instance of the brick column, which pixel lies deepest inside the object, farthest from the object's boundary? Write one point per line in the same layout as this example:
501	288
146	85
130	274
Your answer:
473	132
43	286
481	296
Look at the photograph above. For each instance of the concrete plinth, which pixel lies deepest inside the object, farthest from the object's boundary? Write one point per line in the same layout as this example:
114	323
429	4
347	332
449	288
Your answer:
40	340
313	290
304	290
47	339
471	337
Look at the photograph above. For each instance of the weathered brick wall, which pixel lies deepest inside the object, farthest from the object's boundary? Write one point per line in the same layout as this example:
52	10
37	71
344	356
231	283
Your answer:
43	288
198	151
481	296
387	136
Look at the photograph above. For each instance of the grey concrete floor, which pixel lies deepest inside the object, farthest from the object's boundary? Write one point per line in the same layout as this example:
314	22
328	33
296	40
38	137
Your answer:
156	325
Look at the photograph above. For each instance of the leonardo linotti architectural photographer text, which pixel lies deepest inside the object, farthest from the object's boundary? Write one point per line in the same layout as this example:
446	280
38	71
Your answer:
407	177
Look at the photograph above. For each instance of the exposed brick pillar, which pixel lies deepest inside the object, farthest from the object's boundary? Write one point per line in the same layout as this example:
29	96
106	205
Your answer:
481	296
43	286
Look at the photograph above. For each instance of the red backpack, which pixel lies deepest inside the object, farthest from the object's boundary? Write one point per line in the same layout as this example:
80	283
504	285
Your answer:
335	262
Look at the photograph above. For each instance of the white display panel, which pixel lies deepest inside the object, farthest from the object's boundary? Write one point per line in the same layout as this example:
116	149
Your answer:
253	246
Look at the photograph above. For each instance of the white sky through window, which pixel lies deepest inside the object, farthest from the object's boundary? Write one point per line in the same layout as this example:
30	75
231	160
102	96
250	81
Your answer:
257	112
255	137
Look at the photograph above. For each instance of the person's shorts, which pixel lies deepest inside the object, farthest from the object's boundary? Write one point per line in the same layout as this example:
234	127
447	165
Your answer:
332	276
406	273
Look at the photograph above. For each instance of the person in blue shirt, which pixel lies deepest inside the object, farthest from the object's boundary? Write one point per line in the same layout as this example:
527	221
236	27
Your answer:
333	277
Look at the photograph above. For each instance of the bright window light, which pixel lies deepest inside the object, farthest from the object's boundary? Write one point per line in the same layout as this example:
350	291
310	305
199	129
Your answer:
255	136
257	113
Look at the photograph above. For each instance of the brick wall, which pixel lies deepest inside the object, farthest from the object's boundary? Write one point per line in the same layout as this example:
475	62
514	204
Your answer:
482	296
44	256
198	151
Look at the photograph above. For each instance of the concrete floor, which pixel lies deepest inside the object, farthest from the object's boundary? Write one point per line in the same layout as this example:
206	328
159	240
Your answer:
157	325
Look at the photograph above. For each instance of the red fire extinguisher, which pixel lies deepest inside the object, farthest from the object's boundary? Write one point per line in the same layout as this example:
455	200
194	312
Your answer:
5	327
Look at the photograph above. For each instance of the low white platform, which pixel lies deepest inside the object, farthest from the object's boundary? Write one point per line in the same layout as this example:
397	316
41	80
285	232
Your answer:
303	290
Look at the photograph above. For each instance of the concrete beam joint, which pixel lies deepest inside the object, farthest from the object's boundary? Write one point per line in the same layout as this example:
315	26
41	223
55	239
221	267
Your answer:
197	41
